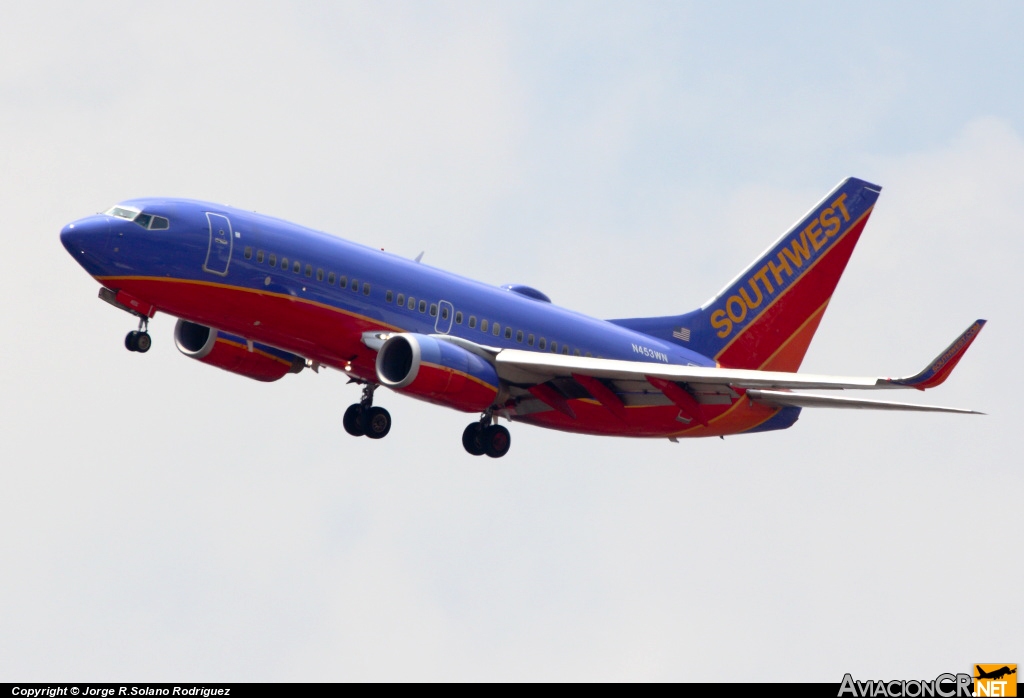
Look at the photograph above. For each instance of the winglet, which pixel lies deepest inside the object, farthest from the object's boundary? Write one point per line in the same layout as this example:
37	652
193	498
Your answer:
939	369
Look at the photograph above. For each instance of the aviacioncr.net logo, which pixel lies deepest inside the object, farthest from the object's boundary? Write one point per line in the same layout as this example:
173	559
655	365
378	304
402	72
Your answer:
943	686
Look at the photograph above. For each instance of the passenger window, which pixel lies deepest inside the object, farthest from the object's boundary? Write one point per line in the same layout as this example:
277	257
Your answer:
543	344
248	253
401	299
483	325
423	306
343	282
366	289
331	278
354	286
589	355
159	223
497	330
508	333
472	322
576	352
565	349
519	336
529	340
259	256
319	274
273	259
296	266
554	347
412	303
458	317
284	263
388	297
444	313
433	310
309	270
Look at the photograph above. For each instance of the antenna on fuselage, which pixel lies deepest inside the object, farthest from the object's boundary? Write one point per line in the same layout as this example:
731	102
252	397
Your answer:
419	257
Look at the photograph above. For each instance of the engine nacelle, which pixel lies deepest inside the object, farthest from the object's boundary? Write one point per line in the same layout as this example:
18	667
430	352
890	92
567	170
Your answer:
437	371
231	353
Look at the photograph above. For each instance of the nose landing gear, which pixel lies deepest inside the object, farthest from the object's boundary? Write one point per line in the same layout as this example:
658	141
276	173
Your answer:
363	419
139	340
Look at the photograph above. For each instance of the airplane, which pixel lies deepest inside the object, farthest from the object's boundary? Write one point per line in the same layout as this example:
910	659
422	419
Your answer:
995	674
263	298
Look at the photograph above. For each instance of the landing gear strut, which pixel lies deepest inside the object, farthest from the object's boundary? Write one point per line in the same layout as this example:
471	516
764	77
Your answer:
139	340
481	438
363	419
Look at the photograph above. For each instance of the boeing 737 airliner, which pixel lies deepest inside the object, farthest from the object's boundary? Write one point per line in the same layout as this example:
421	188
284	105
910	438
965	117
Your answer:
263	298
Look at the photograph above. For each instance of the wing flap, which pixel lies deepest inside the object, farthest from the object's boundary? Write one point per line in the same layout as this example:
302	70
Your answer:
776	398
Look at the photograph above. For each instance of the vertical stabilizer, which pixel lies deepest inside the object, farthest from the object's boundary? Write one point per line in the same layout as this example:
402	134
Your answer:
765	318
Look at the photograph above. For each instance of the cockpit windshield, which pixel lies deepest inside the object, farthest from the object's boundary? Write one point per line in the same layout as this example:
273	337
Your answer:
147	221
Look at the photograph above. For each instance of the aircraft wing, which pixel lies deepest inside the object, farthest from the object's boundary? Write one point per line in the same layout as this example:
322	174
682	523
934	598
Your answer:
610	381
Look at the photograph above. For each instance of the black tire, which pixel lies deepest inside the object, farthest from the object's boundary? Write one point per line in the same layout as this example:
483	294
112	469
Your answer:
352	421
497	441
472	439
131	341
376	422
143	342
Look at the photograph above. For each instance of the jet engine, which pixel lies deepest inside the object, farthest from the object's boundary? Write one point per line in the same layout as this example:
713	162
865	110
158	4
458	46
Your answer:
232	353
437	371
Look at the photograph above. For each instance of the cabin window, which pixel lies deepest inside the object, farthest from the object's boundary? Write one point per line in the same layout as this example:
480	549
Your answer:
331	278
529	340
296	266
412	303
343	282
483	325
508	333
433	310
159	223
472	322
401	299
519	336
576	352
273	259
366	289
565	349
554	347
319	274
589	355
543	344
444	313
458	317
497	330
309	270
354	286
248	253
388	297
423	306
259	256
284	263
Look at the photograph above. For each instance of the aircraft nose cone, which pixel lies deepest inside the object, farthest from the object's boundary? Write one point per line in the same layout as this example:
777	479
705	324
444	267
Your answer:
85	237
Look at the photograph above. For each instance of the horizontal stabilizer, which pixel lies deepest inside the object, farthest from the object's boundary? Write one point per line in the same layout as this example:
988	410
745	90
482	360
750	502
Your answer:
777	398
939	369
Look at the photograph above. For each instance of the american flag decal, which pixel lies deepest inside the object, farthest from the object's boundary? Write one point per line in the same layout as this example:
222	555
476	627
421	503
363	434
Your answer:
681	333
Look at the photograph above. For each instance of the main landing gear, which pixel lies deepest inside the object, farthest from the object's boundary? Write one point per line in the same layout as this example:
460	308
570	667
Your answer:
480	438
363	419
139	340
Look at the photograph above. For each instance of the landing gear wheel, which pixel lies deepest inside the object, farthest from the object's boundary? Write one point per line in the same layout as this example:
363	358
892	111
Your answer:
131	341
496	440
473	439
353	420
143	342
376	422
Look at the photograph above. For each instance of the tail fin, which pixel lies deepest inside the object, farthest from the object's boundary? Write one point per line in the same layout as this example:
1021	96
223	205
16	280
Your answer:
765	318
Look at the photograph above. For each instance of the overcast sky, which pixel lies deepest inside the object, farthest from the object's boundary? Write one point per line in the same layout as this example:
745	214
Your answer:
166	521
